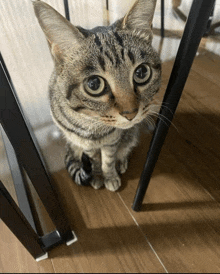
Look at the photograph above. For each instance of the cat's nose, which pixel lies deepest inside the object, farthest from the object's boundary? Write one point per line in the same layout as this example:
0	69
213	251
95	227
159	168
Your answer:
129	115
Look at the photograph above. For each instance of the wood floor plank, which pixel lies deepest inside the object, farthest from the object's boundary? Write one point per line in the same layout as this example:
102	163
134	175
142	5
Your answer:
180	217
208	65
197	120
109	239
14	258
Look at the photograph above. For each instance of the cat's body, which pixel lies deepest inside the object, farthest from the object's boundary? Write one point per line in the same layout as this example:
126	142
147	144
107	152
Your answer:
101	89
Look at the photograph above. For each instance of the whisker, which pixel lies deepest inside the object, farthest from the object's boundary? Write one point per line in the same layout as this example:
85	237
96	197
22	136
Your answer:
160	116
152	122
157	116
163	106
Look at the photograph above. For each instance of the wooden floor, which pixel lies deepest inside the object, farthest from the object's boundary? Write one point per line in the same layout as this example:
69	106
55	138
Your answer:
178	229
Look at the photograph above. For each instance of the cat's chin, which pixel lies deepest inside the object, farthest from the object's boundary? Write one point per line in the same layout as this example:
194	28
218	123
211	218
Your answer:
129	124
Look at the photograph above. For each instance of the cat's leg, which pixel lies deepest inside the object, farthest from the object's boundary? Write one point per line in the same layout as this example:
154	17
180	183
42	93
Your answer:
97	180
128	142
122	159
78	165
112	180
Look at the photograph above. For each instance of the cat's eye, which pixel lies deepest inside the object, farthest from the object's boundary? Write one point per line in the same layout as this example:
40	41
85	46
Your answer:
142	74
95	86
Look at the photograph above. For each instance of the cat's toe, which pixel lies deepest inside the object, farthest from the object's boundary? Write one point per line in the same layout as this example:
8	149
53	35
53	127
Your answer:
97	182
113	184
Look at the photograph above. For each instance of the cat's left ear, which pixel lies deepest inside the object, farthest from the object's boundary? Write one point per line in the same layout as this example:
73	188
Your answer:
140	16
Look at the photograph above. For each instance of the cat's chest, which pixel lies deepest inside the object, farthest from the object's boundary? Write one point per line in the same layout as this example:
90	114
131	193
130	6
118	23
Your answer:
109	139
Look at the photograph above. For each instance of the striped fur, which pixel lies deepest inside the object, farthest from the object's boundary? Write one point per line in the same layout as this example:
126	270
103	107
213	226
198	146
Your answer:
101	129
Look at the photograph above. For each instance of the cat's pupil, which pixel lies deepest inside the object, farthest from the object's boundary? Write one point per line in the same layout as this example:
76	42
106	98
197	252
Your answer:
141	72
94	83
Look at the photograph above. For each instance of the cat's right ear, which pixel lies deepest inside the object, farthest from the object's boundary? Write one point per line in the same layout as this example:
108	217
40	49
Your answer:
60	33
140	17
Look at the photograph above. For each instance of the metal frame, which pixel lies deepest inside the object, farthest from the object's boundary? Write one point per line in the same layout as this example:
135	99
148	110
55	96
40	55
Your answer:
162	18
19	181
208	27
66	7
194	30
25	155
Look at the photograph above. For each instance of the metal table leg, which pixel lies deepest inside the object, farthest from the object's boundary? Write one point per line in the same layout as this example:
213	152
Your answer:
27	154
18	179
194	30
66	7
162	19
17	223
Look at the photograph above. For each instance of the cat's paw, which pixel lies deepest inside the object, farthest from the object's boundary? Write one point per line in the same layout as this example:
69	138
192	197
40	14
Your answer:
81	177
97	182
113	184
77	173
123	166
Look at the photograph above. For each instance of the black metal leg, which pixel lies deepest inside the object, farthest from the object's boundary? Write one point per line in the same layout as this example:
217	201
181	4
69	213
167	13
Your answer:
208	28
16	129
18	180
16	222
194	30
66	6
162	19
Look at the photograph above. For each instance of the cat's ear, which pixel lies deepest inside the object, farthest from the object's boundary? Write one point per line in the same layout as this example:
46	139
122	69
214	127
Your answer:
60	33
140	16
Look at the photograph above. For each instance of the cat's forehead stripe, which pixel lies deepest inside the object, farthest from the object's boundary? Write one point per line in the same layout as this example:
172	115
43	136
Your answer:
109	57
123	54
97	41
101	62
119	39
89	69
131	56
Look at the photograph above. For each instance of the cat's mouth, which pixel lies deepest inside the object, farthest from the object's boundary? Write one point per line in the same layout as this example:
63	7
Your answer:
127	120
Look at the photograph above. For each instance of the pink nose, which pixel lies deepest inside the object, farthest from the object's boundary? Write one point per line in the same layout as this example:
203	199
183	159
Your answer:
129	115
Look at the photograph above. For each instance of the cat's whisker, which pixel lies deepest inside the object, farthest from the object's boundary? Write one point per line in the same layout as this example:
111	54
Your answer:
163	104
160	116
150	121
157	116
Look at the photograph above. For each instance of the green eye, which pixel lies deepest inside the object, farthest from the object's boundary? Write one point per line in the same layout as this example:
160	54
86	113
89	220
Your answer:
142	74
95	86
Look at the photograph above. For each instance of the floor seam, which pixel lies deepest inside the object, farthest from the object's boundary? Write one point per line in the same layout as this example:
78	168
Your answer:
152	248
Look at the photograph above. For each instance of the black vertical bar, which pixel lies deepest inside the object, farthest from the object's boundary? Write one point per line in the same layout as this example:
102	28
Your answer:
16	98
14	125
5	68
194	30
208	28
162	19
66	6
12	216
107	5
18	180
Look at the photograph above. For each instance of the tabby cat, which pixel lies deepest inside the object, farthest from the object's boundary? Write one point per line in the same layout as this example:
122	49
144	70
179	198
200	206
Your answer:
101	89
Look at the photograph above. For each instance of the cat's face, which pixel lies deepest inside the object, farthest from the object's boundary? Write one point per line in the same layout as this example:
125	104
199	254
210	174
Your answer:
109	73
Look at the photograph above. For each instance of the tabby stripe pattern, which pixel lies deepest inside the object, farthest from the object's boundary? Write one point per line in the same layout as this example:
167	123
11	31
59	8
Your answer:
79	172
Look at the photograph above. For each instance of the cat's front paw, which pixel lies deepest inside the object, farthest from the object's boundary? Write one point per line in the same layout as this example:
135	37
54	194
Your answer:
113	184
123	166
97	182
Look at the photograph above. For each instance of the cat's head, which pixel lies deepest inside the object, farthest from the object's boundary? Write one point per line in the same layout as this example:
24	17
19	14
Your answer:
107	73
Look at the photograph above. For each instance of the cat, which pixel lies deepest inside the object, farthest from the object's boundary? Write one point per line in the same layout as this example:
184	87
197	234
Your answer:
101	89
